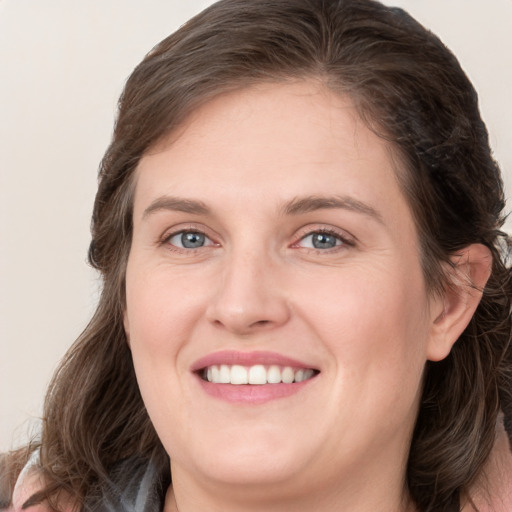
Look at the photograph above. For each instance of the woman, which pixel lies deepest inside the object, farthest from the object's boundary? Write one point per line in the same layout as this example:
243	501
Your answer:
306	303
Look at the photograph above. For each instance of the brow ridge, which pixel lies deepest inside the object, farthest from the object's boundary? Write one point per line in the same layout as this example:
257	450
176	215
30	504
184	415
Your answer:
297	206
176	204
307	204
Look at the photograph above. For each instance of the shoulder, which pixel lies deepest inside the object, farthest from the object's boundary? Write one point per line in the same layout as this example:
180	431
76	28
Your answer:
492	492
28	483
134	484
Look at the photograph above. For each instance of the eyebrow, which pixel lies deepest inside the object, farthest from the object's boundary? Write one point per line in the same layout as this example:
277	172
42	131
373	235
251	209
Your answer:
176	204
297	206
307	204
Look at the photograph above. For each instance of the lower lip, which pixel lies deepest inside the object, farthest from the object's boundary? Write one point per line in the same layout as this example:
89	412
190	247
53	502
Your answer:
252	393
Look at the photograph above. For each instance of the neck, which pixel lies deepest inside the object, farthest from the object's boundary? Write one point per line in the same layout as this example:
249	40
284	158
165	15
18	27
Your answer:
366	495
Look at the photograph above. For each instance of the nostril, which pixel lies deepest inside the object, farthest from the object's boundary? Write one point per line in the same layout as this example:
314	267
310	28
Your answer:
260	323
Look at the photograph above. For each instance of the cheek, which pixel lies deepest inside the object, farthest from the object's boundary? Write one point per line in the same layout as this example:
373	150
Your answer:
374	324
160	310
158	317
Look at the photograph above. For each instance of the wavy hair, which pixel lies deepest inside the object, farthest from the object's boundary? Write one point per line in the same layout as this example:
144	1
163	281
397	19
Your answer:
411	90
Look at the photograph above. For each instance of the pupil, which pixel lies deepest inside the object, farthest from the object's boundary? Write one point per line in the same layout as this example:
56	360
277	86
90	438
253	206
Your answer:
324	241
192	240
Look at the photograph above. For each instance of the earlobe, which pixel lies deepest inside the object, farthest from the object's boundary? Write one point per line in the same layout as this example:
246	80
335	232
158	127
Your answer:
452	311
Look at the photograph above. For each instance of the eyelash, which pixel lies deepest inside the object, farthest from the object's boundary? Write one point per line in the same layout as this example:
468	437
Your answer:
166	239
345	240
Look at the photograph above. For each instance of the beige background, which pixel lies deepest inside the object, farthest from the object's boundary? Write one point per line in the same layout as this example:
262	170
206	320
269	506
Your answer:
62	67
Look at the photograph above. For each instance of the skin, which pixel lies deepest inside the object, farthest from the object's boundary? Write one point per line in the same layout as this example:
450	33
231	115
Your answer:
358	312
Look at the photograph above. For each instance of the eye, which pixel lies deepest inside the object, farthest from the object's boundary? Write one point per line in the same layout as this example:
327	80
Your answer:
322	240
189	240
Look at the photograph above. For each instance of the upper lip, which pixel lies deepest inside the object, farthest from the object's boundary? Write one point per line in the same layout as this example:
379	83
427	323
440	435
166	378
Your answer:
232	357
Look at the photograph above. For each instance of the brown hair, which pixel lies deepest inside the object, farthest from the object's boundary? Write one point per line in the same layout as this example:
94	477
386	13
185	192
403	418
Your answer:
411	90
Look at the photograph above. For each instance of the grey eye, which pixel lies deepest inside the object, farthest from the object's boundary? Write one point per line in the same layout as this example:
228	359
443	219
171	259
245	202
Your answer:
320	240
192	240
324	241
189	240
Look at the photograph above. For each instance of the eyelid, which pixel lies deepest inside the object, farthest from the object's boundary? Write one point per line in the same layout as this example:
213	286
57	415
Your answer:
208	242
186	228
346	238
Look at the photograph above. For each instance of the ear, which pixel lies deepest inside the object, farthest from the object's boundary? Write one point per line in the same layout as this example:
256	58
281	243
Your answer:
452	311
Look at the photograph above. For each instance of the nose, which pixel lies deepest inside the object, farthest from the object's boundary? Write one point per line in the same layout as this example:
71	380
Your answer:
250	296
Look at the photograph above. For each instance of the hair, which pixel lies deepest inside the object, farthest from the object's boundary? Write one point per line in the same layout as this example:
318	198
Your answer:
411	90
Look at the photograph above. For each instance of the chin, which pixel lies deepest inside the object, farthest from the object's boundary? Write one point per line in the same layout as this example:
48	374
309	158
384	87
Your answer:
248	459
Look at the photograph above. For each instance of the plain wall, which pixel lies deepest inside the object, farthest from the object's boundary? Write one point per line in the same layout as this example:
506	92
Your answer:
62	66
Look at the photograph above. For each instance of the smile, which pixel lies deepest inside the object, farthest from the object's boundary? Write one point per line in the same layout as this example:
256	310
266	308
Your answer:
252	377
257	374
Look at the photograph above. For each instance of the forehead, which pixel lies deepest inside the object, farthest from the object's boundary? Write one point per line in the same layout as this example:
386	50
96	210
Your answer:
272	142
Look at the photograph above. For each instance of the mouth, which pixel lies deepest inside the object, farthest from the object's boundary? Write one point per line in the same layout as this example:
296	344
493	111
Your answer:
252	377
258	374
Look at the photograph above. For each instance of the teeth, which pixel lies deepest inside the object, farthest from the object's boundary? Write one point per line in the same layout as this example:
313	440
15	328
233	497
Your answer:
239	375
257	374
288	375
274	375
225	374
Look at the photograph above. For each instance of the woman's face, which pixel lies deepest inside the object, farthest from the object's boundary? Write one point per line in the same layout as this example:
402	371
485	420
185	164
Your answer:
272	242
